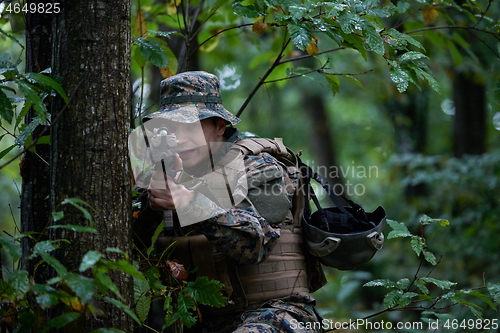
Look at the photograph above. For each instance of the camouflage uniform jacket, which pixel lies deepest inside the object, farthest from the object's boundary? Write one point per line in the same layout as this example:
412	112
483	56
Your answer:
245	236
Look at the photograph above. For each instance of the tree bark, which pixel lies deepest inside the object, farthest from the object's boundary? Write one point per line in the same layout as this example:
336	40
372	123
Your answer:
35	207
89	159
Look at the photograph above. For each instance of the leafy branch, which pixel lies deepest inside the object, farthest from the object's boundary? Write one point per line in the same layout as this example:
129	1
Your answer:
406	293
168	279
430	296
24	303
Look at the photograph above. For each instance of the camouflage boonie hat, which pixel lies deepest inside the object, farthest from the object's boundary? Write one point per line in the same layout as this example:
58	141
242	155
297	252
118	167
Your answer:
190	97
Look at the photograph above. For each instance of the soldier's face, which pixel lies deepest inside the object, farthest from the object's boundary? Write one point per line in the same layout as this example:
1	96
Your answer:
195	141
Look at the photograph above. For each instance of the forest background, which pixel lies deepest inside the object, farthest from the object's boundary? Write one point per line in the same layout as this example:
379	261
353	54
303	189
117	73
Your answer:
413	146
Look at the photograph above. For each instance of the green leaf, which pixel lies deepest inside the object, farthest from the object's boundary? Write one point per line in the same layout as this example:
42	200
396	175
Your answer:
126	267
430	257
6	110
186	304
173	64
248	11
443	284
28	131
381	283
400	78
207	292
11	37
6	151
494	290
400	40
141	298
155	236
48	81
417	244
476	309
411	55
79	203
350	77
89	260
334	83
104	283
36	100
393	298
403	284
138	57
20	282
479	295
162	33
6	289
43	140
354	41
73	227
56	216
46	296
46	246
152	275
13	248
116	250
82	286
425	220
426	297
432	82
122	306
421	285
349	22
61	321
153	51
373	40
406	298
170	317
300	34
56	264
399	230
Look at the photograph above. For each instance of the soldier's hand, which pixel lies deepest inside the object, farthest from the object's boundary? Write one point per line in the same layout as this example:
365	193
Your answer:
165	194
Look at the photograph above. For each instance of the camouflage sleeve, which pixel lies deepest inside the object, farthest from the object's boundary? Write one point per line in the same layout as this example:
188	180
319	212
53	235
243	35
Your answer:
242	232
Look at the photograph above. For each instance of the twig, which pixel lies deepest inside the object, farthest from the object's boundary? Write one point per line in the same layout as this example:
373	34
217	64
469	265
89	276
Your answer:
220	32
497	35
46	127
261	81
306	56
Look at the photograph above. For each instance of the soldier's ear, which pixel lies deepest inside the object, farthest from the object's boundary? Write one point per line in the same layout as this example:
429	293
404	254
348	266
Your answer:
220	125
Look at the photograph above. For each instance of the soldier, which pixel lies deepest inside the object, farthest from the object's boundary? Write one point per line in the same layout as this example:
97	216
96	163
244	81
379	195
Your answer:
237	211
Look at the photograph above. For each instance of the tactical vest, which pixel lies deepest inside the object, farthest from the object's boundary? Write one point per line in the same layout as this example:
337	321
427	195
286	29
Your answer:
288	269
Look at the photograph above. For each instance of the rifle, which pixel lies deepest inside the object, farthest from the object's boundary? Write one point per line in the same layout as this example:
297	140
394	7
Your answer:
163	158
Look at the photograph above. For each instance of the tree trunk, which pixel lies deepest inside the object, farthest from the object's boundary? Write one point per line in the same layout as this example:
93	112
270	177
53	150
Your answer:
323	148
470	115
35	207
89	160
